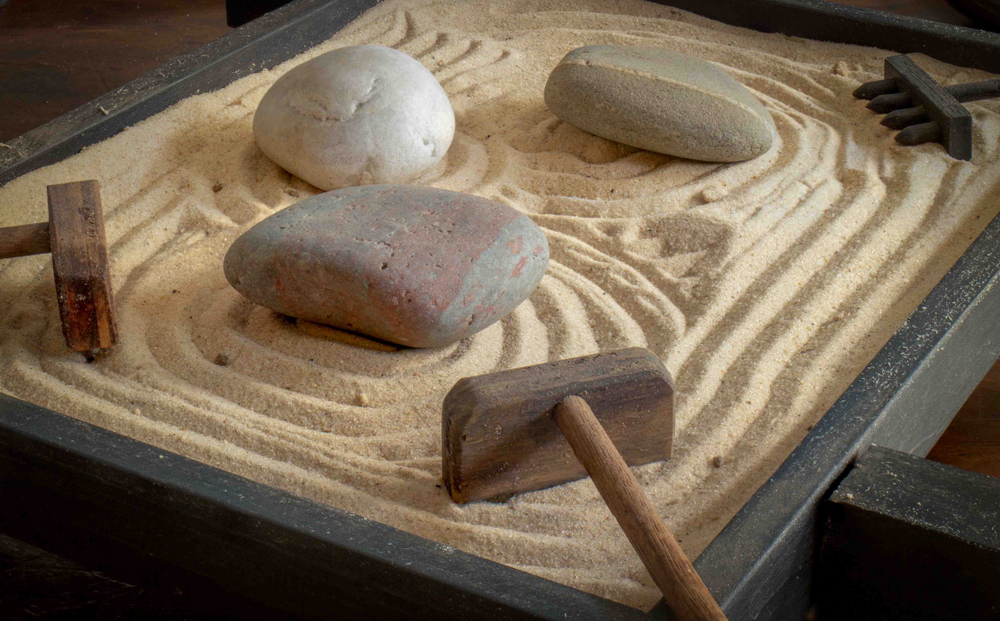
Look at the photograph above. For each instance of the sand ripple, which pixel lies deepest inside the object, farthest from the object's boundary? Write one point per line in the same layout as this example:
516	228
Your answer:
765	286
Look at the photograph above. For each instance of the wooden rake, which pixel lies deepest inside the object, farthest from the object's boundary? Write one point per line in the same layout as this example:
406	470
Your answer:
923	110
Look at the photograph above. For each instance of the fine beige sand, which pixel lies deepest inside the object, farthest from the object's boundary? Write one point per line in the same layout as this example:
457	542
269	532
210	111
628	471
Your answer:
765	286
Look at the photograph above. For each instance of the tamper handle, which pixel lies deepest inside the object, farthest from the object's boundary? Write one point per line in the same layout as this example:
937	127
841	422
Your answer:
22	241
663	557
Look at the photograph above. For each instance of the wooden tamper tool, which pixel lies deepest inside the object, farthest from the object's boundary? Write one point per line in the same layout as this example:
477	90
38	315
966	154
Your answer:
74	235
518	430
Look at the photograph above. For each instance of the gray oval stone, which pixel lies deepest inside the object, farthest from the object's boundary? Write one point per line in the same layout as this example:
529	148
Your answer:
659	100
355	116
412	265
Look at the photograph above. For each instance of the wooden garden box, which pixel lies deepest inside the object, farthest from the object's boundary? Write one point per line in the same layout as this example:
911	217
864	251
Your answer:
140	512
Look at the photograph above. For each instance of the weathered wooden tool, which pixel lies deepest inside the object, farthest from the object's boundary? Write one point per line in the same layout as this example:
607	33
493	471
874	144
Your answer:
518	430
924	110
74	235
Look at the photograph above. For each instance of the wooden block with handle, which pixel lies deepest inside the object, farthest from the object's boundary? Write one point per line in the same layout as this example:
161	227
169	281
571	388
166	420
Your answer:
498	437
519	430
74	235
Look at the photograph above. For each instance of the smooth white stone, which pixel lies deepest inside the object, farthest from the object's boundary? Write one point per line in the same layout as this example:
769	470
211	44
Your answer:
355	116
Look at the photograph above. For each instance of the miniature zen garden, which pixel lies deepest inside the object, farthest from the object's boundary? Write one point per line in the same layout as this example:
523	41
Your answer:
373	275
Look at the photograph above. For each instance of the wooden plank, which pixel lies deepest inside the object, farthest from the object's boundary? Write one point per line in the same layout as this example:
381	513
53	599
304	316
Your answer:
498	436
139	513
908	538
80	266
40	586
953	120
826	21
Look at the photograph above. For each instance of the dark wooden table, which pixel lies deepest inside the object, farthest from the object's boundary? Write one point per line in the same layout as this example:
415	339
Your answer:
58	55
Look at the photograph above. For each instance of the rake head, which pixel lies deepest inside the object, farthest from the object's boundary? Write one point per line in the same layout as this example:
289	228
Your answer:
923	110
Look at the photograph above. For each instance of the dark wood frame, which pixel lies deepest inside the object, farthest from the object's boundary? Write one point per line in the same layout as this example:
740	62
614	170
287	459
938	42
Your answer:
911	540
145	513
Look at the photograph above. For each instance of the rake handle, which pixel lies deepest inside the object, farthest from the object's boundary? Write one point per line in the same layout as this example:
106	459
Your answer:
23	241
663	557
974	91
969	91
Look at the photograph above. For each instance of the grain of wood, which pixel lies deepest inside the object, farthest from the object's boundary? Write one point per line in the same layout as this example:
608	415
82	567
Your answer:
23	241
497	433
663	557
80	266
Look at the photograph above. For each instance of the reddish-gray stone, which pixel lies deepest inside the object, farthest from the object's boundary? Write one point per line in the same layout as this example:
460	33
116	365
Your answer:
418	266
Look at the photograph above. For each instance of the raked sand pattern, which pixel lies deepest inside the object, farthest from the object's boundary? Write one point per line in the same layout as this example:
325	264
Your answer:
765	286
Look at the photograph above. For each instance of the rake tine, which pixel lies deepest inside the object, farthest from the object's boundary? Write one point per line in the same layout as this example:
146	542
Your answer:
890	102
976	91
870	90
898	119
919	134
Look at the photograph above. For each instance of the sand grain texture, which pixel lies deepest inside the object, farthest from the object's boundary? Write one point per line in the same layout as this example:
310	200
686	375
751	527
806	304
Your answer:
765	286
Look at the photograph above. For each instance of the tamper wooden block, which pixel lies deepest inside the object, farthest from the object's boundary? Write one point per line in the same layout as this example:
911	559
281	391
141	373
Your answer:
74	235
